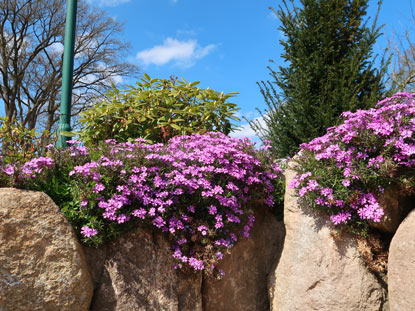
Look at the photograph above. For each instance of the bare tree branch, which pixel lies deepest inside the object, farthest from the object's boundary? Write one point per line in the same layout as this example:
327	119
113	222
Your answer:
402	47
31	57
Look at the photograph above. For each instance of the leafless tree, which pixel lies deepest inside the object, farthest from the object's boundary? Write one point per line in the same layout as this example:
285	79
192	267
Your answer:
402	48
31	56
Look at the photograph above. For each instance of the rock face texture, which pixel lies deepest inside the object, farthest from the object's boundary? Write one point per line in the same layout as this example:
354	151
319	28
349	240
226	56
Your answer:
244	286
396	206
401	267
135	272
315	272
42	266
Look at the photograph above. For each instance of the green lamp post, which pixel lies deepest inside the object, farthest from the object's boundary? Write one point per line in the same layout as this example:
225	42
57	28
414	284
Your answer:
68	60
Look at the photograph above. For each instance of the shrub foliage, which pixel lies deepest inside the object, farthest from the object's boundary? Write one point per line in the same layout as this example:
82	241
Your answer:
17	143
328	68
157	110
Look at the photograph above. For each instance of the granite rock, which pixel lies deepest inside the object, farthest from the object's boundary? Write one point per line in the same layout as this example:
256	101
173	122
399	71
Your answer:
42	265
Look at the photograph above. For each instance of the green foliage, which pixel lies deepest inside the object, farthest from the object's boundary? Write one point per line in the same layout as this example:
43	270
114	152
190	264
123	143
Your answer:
18	144
156	110
328	68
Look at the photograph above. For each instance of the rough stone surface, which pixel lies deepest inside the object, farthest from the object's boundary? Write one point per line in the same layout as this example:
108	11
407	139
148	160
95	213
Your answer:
396	206
42	266
244	286
315	272
135	272
401	267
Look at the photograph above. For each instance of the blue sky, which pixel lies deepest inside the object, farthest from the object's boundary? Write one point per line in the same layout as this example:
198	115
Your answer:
224	44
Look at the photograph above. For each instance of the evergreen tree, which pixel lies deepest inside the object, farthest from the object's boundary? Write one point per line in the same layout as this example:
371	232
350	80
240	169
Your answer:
329	68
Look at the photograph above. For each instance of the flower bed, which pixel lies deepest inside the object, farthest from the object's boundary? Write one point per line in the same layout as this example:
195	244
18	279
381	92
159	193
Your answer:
199	189
344	172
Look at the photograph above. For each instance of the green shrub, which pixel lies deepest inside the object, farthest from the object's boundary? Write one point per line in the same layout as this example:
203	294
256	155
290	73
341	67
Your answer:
157	110
18	144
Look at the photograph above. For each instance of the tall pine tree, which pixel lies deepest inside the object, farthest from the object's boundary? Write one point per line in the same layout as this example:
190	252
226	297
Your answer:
329	68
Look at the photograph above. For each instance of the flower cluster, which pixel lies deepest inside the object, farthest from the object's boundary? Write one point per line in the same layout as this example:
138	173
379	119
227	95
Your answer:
345	171
198	189
29	170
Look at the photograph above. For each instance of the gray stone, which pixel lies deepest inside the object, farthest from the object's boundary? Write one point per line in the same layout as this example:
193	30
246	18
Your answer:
42	266
135	272
401	266
315	272
244	286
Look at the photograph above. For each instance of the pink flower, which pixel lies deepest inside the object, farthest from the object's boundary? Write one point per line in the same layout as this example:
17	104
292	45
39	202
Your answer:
212	210
346	182
9	170
98	188
88	232
303	191
203	229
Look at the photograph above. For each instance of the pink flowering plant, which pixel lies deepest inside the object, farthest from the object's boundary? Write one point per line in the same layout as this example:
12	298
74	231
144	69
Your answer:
200	190
345	171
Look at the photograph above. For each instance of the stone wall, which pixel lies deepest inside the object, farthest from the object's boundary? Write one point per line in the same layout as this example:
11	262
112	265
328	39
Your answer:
295	265
43	266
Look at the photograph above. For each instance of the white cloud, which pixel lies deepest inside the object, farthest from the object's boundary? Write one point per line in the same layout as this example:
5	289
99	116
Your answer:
245	130
93	78
56	48
117	79
111	3
183	53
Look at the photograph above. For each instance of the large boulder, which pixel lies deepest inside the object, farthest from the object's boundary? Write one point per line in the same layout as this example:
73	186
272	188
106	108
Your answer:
315	272
42	266
135	272
401	266
244	286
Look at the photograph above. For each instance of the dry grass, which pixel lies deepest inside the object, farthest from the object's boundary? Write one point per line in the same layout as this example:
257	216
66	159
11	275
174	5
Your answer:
374	250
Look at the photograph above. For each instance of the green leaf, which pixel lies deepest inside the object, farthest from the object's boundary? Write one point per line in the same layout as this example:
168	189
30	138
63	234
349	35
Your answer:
175	126
68	134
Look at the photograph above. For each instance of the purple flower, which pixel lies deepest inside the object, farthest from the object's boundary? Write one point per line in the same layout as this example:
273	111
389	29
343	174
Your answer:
212	210
159	222
9	170
196	264
195	188
98	188
341	217
139	213
326	191
346	182
203	229
303	191
312	185
88	232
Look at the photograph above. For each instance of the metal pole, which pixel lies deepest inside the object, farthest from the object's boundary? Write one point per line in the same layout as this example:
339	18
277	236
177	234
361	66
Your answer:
68	56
